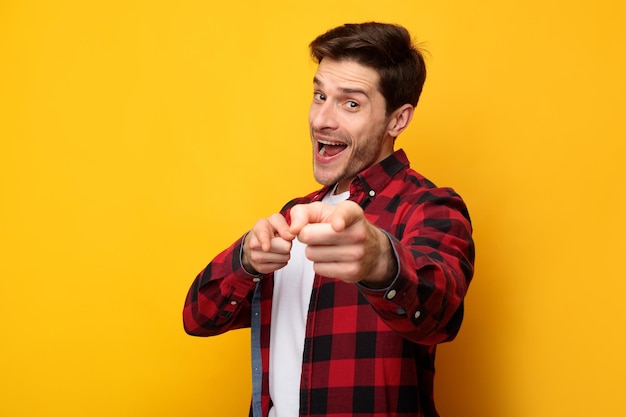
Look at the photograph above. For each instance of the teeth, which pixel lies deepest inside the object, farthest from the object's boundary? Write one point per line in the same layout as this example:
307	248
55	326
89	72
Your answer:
324	142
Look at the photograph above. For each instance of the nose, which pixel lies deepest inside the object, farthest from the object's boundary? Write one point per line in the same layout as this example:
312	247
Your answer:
323	116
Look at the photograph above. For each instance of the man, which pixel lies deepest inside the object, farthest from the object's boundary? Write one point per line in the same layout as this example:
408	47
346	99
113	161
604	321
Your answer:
349	289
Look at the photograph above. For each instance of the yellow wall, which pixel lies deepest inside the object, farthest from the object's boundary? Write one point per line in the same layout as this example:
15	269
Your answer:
138	138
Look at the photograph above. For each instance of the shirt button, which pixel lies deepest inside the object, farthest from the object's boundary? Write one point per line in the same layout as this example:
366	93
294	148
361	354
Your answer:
372	193
233	303
417	314
256	279
391	294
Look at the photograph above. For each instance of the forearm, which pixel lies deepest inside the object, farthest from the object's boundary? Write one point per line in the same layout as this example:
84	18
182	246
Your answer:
219	298
424	302
385	265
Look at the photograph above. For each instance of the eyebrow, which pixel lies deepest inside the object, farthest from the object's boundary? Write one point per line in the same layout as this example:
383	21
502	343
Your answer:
344	90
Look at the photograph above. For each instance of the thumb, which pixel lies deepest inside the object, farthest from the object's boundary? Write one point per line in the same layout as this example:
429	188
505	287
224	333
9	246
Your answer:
303	214
345	215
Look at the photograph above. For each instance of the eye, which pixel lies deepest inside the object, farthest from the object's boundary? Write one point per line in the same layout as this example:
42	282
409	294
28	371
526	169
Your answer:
352	105
317	96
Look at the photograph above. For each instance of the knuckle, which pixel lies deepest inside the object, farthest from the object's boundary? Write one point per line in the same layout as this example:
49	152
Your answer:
274	218
358	254
260	223
256	256
303	236
253	243
353	270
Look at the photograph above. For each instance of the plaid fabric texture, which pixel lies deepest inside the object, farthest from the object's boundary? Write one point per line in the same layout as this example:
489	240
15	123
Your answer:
367	352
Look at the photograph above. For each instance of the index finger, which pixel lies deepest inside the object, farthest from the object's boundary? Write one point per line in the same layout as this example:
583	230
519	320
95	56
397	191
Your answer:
281	227
266	229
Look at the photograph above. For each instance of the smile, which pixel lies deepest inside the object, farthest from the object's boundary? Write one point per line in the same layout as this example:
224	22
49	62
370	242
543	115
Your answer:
329	148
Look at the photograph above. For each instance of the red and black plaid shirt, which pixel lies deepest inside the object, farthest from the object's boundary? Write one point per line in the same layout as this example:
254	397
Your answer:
367	352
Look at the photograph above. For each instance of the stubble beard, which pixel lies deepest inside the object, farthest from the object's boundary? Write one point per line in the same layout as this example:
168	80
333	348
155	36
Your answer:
363	157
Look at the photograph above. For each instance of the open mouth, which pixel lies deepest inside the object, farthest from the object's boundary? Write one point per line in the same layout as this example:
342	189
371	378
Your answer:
329	148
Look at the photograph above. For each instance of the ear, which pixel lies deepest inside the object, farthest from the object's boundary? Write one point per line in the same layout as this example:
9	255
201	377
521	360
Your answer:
400	119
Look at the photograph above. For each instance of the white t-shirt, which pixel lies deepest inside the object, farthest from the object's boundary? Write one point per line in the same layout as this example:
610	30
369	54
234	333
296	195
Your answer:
290	304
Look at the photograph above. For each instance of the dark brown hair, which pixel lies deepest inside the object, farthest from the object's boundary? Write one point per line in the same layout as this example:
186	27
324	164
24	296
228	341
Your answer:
387	48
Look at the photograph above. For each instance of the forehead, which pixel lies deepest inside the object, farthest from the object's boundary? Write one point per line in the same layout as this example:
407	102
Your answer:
347	75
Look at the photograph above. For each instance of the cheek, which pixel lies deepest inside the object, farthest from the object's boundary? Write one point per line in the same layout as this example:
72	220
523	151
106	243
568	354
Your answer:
314	110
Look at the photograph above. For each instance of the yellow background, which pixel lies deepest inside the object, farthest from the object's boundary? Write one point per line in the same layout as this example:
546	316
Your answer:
139	138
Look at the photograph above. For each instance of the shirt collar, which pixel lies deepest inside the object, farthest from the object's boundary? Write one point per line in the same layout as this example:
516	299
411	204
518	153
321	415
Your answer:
374	179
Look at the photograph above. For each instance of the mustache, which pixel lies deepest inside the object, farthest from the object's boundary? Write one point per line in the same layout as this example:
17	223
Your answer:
327	134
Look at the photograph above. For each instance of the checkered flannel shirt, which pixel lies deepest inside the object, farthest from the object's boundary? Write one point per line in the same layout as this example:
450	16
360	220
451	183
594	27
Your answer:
367	352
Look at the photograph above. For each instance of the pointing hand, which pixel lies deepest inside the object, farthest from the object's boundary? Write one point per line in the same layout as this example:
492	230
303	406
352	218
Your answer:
343	244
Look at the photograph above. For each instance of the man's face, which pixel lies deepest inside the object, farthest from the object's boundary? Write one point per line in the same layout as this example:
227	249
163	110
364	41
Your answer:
349	128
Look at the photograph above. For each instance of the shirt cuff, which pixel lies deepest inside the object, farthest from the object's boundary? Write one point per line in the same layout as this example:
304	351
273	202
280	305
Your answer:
255	277
383	291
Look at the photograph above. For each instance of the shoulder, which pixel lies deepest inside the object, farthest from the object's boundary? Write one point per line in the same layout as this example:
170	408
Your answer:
409	192
415	186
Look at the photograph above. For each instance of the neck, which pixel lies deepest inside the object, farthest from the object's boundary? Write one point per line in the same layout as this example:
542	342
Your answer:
342	186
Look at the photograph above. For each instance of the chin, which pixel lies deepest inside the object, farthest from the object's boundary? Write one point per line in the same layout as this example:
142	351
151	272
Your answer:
324	179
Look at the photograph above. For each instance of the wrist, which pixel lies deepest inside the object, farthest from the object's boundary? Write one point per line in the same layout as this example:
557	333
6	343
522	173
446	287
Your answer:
244	259
385	268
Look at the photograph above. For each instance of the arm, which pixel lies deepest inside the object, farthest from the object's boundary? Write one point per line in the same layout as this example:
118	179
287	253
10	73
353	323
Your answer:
220	297
419	293
435	257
